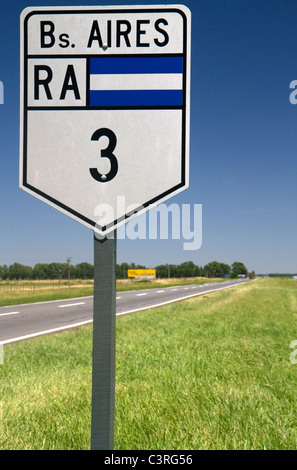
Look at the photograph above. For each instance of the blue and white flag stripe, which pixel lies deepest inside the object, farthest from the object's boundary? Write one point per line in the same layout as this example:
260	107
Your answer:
128	65
136	81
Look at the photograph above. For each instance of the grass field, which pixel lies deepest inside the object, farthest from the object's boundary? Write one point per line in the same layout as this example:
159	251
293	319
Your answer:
21	292
211	372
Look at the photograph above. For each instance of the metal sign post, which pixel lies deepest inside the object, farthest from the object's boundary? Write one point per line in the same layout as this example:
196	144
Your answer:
104	340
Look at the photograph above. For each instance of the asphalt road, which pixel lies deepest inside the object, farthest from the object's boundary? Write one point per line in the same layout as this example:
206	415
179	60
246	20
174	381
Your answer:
25	321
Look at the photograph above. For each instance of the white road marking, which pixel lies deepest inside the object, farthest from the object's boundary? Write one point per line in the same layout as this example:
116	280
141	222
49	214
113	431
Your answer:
46	332
49	301
144	293
8	313
71	305
159	291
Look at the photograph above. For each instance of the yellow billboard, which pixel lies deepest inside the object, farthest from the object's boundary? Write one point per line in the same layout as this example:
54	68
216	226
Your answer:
143	273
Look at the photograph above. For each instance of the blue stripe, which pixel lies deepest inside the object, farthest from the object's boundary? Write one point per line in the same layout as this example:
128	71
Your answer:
136	98
124	65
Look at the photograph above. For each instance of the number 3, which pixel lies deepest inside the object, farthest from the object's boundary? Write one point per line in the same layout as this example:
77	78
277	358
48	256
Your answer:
106	153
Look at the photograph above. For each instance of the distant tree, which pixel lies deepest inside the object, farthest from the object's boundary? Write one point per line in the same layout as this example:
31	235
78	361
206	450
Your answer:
216	269
164	270
86	270
239	268
189	269
212	269
4	272
124	270
83	271
56	270
225	269
40	271
19	271
118	272
174	270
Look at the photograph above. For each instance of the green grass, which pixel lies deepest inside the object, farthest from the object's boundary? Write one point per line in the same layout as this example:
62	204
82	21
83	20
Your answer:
45	393
22	292
20	297
212	372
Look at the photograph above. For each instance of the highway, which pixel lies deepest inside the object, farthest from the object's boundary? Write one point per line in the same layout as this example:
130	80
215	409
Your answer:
20	322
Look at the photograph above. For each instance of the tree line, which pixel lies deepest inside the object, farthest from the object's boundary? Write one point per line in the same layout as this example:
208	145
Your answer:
43	271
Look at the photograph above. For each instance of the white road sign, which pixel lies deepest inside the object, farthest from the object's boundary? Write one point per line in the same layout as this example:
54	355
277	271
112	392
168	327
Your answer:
105	109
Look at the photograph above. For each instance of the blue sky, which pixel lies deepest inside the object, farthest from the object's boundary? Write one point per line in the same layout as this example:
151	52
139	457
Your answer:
243	147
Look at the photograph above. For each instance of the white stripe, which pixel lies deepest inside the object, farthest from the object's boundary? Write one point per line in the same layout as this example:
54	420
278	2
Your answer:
45	332
49	301
162	81
8	313
71	305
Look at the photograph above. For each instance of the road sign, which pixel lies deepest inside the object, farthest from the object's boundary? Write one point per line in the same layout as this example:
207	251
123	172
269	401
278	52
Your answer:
104	137
105	109
143	273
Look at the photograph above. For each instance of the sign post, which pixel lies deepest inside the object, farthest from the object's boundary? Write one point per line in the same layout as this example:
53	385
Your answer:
104	137
104	340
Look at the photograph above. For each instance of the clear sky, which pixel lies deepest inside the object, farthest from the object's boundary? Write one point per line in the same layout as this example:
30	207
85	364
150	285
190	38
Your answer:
243	148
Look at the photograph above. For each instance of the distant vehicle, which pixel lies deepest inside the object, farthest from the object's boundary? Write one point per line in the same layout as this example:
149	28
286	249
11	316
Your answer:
251	276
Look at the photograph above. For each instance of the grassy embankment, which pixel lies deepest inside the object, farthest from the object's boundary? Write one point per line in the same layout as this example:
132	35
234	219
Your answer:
211	372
